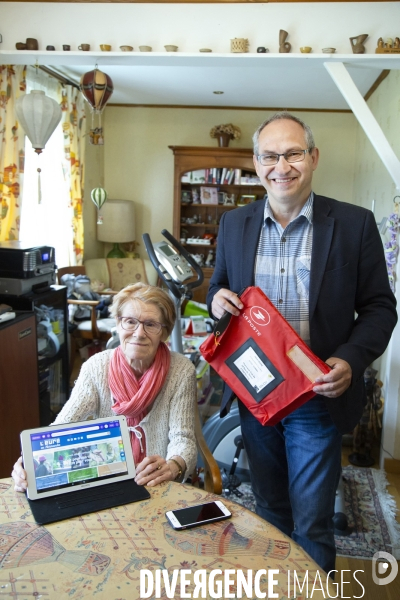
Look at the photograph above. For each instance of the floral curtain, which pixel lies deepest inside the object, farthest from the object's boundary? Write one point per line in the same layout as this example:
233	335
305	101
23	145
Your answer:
74	128
12	156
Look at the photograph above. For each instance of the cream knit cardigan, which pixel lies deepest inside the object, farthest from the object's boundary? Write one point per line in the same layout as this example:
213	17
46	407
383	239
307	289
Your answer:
168	427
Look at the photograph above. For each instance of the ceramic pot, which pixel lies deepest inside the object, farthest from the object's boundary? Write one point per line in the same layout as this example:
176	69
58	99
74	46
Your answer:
223	140
284	46
32	44
357	43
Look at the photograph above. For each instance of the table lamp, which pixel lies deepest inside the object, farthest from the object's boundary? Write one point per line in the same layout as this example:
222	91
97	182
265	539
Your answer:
118	225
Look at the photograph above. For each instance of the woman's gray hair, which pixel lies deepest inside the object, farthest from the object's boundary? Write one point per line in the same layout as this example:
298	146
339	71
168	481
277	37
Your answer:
309	138
149	294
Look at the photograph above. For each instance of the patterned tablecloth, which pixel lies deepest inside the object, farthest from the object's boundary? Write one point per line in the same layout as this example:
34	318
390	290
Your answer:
100	555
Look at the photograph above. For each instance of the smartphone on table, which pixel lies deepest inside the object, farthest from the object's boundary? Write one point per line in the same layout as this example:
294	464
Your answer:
183	518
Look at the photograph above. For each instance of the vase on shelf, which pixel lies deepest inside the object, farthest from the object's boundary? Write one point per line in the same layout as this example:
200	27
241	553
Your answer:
223	140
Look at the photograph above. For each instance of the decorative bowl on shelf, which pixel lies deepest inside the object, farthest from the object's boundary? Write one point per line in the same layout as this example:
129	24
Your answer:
328	50
205	50
171	48
305	49
126	48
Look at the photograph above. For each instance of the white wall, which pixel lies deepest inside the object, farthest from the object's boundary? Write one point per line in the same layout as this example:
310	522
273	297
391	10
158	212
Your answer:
373	182
139	165
193	26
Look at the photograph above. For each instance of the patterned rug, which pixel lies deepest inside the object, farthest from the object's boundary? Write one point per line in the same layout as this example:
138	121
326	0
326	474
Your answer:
370	512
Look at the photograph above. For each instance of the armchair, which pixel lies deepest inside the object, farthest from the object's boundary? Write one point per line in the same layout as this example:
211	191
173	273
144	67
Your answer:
101	270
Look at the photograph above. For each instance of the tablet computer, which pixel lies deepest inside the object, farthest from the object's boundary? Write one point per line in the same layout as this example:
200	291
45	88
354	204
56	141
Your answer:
92	459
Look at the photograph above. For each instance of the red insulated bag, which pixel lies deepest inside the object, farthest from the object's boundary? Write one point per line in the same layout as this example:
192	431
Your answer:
262	359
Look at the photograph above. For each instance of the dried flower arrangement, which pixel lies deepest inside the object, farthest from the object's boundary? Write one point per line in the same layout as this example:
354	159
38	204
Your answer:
231	130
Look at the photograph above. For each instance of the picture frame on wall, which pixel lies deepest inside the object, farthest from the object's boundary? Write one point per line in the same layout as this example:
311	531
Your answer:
246	199
208	195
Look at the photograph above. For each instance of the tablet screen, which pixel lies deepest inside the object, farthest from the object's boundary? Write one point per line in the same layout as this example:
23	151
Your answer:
67	456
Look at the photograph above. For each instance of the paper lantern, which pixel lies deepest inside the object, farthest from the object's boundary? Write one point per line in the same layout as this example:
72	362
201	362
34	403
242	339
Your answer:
39	115
97	88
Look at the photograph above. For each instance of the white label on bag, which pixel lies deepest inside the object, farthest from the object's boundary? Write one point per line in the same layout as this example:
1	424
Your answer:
254	370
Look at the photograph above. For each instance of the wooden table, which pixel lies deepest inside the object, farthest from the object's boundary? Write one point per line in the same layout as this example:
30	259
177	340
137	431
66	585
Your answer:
100	555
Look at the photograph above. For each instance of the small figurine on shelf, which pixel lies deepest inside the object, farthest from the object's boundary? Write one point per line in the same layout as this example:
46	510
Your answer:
210	259
380	44
195	196
388	47
186	197
229	199
199	258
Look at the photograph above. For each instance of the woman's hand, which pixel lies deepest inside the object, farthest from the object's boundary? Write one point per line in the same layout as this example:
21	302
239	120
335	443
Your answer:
155	469
19	476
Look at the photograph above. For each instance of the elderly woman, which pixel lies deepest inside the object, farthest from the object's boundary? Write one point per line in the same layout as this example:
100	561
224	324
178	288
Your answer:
154	388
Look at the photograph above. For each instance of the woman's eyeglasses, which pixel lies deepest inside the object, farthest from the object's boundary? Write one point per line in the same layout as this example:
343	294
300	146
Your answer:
131	324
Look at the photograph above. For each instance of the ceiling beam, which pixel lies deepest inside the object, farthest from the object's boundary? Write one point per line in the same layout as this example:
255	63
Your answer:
363	114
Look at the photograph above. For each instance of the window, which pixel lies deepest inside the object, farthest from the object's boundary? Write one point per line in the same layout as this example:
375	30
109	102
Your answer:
48	222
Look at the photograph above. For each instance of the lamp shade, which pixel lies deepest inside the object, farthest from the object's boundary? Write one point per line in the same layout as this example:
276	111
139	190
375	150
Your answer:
118	222
39	115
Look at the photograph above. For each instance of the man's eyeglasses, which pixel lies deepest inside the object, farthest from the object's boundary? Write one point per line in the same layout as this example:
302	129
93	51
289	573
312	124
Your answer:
131	324
292	156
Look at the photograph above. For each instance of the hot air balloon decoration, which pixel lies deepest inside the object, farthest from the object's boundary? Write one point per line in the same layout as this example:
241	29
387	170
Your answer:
98	196
97	88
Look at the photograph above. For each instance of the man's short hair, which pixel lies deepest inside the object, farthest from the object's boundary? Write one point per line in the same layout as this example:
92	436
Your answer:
309	138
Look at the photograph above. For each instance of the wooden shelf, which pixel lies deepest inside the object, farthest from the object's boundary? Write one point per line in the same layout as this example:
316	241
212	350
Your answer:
193	158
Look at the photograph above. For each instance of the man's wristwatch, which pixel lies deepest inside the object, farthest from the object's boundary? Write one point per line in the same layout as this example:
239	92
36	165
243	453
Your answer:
179	475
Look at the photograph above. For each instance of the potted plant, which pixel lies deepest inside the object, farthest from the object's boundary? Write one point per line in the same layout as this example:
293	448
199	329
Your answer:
224	133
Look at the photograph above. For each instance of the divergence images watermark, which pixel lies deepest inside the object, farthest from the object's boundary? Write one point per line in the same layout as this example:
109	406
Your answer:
384	568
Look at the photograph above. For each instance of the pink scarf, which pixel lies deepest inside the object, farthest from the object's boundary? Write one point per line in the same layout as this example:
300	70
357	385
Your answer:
133	397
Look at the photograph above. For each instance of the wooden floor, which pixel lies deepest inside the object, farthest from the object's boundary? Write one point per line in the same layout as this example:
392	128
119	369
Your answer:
348	566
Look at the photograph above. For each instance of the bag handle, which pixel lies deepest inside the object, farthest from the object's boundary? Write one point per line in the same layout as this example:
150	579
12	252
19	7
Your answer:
221	325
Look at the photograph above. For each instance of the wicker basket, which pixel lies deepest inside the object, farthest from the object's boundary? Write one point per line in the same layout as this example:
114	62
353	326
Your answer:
239	45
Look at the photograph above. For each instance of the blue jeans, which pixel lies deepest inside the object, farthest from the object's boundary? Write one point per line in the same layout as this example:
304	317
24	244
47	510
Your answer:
295	468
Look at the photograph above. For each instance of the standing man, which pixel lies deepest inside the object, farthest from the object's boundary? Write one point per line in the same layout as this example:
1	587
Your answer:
321	263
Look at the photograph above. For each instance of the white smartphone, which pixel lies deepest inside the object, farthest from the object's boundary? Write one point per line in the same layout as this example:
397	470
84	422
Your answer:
183	518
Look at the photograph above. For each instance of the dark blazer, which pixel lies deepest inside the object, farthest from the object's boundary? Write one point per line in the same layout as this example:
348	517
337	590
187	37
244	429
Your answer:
348	275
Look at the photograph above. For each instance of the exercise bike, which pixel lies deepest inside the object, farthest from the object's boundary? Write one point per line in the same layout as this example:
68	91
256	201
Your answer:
174	266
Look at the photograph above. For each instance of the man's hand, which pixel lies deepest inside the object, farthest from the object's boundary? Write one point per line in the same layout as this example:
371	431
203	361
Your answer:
336	382
225	301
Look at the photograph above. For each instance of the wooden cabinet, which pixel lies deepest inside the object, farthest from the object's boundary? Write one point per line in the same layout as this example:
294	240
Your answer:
193	220
19	402
51	351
